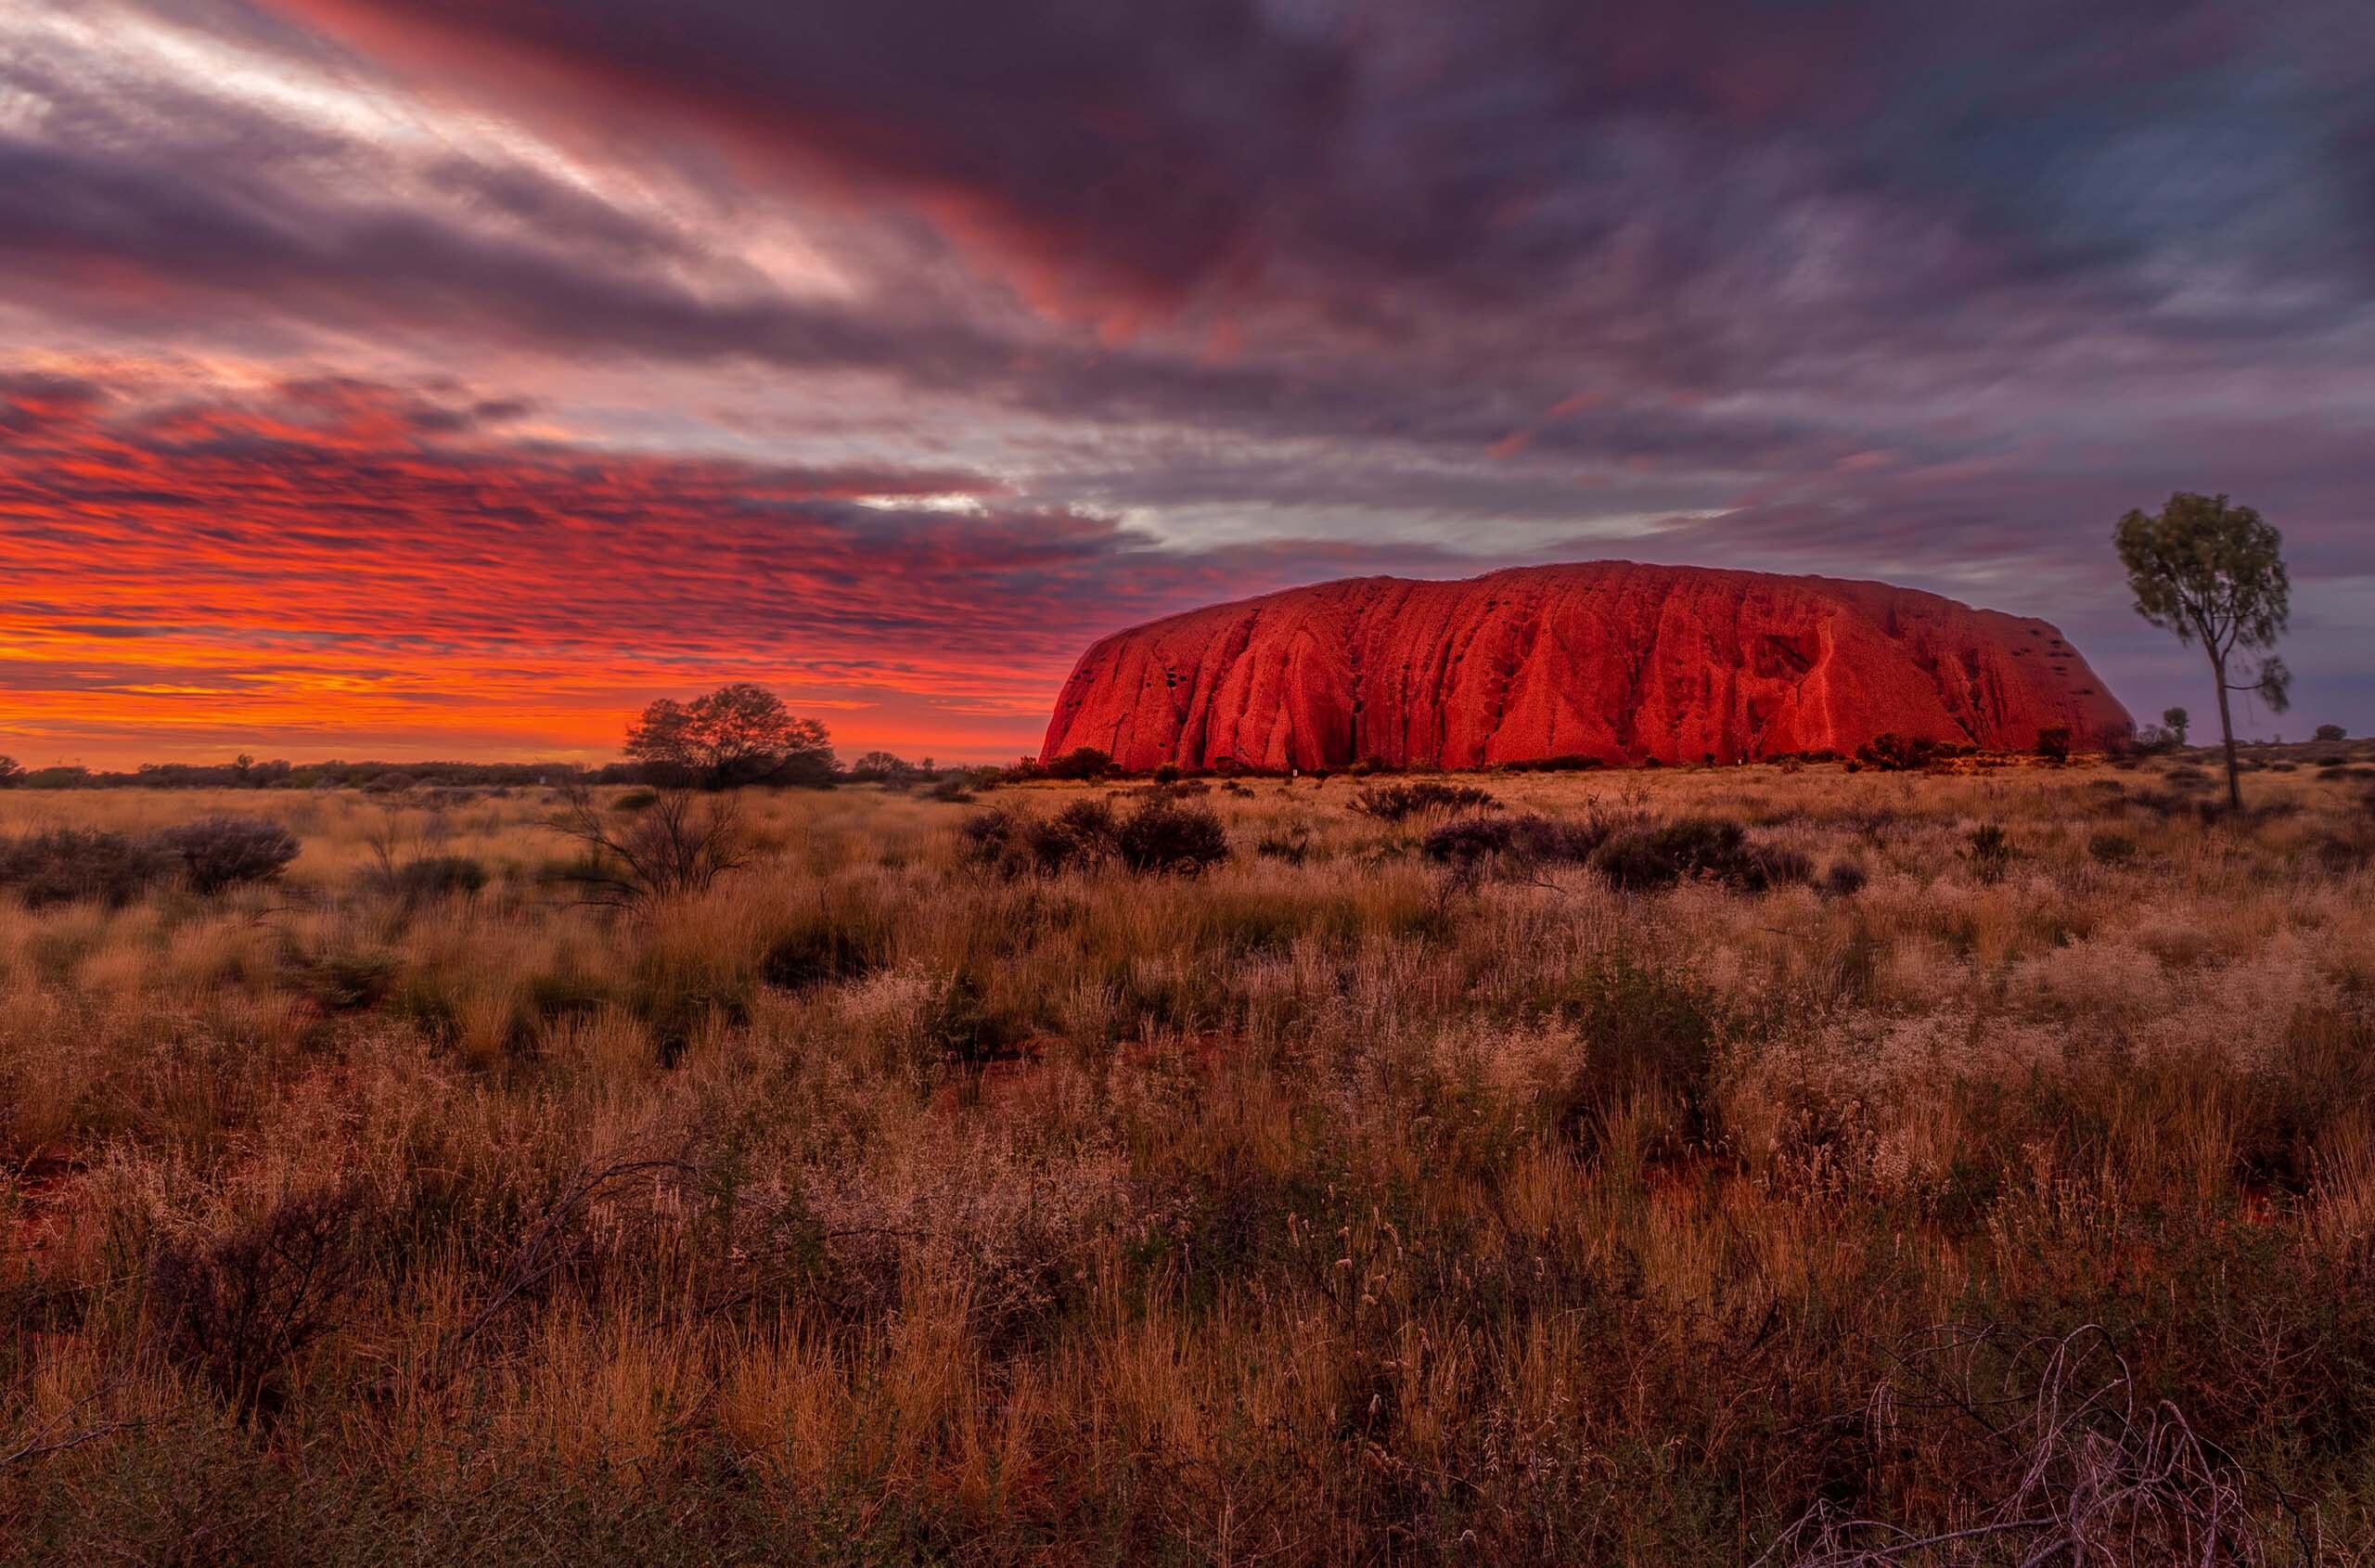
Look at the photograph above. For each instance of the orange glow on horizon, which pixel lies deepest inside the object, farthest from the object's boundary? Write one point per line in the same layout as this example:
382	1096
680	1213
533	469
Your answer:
348	571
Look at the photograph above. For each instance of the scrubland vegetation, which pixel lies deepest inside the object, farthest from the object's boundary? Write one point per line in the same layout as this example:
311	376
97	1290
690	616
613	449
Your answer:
1688	1167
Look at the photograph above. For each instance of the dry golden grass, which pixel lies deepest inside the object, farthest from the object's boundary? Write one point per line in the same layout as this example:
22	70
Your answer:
1332	1208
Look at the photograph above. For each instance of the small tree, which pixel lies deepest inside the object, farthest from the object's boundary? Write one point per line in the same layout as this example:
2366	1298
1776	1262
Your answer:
2330	733
2174	720
2206	570
11	771
740	733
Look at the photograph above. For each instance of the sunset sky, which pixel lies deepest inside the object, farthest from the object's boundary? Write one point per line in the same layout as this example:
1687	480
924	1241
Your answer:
449	378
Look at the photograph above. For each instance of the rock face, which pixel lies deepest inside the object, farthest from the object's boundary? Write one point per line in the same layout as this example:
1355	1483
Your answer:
1602	659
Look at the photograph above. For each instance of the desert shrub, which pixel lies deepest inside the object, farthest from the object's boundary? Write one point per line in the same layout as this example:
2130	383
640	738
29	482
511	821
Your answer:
1166	838
2053	743
1648	1031
679	846
2330	733
962	1028
634	801
1077	838
349	979
2111	849
1845	879
222	852
1528	839
960	785
1989	849
1290	844
1565	763
63	865
1891	752
815	956
428	877
1160	836
388	784
1649	859
993	839
243	1307
2187	776
1167	774
1086	763
1394	802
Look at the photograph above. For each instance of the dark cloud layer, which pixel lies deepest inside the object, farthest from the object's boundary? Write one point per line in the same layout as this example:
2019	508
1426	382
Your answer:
1291	285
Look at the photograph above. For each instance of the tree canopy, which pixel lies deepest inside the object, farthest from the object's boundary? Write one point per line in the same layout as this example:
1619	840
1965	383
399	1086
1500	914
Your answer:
2214	572
739	734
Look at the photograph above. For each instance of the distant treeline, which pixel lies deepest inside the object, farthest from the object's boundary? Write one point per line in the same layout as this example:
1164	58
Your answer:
325	775
249	774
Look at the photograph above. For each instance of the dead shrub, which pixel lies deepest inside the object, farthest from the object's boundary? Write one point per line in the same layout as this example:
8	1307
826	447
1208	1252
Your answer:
676	847
241	1307
2079	1465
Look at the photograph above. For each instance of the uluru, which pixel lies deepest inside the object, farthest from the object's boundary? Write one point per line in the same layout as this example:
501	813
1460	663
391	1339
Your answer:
1624	662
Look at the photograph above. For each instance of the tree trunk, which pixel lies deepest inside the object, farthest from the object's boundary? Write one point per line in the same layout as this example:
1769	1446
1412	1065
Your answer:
2227	729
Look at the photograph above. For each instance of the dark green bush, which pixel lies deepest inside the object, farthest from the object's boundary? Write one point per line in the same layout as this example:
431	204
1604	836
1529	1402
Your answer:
432	876
1650	859
1086	762
2111	849
1530	840
1077	838
1845	879
1290	844
1167	837
1989	849
62	865
1394	802
1160	836
815	956
221	852
1891	752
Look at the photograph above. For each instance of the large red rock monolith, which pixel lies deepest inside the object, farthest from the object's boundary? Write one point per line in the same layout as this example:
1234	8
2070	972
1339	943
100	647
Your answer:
1603	659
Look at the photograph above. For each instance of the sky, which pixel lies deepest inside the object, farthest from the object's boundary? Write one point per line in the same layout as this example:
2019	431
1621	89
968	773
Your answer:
450	378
